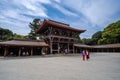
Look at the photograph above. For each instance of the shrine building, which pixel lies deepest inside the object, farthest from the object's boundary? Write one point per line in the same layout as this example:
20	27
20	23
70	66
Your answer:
56	38
59	36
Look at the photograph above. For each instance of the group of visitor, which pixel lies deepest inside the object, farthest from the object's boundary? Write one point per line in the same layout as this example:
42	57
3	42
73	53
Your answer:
85	54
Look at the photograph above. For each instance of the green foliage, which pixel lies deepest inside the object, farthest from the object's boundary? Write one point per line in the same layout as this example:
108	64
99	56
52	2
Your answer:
17	36
79	39
5	34
87	41
111	34
96	37
94	40
34	26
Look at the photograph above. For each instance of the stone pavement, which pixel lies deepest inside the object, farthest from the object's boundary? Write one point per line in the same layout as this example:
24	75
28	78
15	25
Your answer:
102	66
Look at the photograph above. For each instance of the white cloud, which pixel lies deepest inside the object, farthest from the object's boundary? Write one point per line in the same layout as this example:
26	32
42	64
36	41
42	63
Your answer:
14	14
16	27
92	15
97	11
64	11
33	7
59	1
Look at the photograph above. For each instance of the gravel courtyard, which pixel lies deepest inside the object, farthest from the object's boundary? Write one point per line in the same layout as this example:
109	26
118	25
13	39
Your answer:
102	66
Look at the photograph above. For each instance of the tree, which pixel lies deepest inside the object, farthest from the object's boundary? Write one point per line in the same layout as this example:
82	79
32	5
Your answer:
94	40
34	26
79	39
111	34
87	41
17	36
5	34
95	37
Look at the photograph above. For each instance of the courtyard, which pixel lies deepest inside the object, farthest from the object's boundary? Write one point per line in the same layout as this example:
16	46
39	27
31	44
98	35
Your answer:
101	66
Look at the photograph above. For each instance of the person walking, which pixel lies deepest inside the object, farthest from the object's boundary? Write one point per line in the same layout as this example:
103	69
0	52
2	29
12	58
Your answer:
87	55
83	55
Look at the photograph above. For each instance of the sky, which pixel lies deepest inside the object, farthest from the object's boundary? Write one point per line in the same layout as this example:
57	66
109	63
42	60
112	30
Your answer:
89	15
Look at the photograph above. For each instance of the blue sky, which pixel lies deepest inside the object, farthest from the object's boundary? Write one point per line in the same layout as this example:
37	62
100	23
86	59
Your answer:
90	15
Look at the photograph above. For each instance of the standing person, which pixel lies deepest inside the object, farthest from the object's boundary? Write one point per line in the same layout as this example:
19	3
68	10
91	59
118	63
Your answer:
83	55
66	51
43	51
87	55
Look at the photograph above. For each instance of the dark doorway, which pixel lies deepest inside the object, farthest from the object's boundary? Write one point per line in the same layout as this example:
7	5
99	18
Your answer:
1	51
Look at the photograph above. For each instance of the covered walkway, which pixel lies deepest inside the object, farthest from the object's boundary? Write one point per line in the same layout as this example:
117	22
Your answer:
107	48
98	48
23	48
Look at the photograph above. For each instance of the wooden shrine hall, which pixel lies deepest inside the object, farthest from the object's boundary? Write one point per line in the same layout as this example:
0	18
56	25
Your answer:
60	37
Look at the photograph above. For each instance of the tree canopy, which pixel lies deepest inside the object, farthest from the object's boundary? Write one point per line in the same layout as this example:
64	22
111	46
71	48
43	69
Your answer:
34	25
92	41
6	34
111	34
95	37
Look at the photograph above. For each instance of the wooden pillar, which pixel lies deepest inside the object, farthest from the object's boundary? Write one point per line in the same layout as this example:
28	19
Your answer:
19	52
107	49
114	49
97	49
58	48
68	48
76	50
101	49
73	48
51	50
31	51
46	50
5	51
51	44
90	49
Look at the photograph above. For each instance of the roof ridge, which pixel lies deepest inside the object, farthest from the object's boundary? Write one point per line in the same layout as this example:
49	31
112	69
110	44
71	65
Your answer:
59	22
27	40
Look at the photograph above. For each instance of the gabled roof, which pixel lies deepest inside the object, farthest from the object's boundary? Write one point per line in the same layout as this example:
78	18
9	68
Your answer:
58	25
23	43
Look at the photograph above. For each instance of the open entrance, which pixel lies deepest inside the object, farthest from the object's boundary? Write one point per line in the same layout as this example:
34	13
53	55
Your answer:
37	51
13	51
63	47
1	51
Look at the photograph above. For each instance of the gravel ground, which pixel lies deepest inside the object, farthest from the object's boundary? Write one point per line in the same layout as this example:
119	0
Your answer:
102	66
